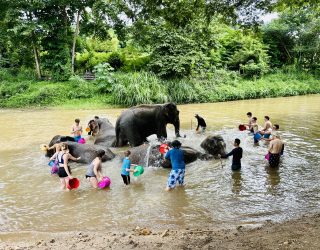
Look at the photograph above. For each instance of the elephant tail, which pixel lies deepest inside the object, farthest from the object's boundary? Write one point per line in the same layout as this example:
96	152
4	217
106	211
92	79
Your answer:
117	128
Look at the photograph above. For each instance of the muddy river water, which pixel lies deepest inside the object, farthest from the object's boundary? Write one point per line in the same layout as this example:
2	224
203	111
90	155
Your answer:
30	198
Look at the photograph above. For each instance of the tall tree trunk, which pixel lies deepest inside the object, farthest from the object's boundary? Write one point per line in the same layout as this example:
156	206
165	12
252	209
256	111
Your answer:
74	42
36	58
35	49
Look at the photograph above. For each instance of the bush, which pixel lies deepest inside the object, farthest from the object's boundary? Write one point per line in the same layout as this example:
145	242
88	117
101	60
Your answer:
138	88
115	61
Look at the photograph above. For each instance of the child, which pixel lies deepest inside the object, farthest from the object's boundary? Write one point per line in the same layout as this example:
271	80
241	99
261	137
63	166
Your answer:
94	169
125	169
76	130
237	155
250	122
177	172
64	171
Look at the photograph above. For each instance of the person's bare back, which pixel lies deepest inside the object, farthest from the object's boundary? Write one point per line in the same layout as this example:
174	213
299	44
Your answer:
275	146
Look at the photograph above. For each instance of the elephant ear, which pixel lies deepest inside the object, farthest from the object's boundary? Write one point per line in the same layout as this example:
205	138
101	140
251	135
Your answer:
166	110
169	108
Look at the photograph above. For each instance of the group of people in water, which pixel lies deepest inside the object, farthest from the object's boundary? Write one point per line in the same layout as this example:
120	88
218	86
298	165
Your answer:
172	152
94	170
269	133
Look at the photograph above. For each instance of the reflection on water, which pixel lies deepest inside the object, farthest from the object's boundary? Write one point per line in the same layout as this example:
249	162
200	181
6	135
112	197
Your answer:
30	198
236	182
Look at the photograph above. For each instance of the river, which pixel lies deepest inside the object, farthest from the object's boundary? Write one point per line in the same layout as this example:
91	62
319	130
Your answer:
30	198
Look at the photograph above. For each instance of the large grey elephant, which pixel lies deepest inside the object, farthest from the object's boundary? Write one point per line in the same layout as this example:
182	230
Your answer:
87	152
137	123
149	155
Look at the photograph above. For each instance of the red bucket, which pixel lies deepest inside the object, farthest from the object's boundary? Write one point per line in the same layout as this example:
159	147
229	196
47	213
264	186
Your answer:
163	148
242	127
73	183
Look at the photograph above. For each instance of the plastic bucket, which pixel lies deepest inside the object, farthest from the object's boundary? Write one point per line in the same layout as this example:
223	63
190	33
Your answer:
54	170
81	141
104	183
52	163
257	136
139	171
73	183
43	147
242	127
267	156
163	148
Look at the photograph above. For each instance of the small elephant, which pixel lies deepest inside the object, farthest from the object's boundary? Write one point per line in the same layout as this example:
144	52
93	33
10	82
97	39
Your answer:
137	123
105	135
214	145
87	152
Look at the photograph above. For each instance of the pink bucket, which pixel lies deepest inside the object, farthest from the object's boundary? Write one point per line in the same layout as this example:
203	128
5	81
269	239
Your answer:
104	183
82	141
267	156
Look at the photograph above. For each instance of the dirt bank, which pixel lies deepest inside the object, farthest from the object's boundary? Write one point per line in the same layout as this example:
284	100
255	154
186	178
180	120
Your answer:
302	233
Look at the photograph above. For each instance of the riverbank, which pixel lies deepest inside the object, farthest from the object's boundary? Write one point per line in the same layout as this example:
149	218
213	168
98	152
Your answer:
132	89
302	233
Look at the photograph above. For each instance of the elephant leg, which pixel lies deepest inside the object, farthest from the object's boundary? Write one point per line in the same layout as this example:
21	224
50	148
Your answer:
135	139
120	138
162	132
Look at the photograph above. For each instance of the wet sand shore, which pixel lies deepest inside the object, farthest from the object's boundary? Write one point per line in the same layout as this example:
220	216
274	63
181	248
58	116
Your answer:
302	233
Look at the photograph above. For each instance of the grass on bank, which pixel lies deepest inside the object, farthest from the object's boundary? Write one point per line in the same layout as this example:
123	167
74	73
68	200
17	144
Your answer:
128	89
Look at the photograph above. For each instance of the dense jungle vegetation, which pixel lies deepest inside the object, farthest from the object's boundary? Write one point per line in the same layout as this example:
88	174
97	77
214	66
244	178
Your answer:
143	51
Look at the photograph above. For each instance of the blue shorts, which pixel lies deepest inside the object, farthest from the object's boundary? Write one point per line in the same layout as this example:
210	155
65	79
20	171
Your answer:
77	138
174	177
266	136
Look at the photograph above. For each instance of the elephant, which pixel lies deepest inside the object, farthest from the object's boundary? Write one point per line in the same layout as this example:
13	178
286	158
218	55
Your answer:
137	123
87	152
105	135
214	145
149	155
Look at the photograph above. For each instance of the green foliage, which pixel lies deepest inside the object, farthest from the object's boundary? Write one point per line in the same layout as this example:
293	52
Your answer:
141	87
115	61
104	77
294	38
137	88
176	54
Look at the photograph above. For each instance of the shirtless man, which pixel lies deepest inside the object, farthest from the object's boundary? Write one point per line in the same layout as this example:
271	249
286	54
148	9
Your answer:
76	130
267	128
275	129
275	149
250	122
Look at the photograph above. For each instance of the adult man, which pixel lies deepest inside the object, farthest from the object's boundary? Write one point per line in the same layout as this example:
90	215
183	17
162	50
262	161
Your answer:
275	148
201	123
177	172
250	122
237	155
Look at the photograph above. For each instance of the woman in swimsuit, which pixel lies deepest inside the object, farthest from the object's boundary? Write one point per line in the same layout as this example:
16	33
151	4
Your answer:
64	171
94	173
